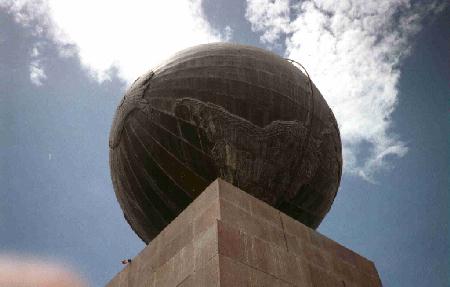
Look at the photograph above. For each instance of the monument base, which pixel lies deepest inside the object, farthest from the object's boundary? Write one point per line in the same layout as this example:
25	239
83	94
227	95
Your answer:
226	237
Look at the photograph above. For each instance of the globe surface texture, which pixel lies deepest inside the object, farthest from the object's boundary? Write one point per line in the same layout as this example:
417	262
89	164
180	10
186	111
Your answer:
223	110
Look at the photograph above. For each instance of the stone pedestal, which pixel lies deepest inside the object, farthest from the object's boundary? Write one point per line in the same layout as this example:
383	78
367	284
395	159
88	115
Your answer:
228	238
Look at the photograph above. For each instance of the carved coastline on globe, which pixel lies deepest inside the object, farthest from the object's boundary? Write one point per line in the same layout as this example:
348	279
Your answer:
223	110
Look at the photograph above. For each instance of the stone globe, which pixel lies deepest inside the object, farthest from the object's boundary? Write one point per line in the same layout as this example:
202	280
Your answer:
224	110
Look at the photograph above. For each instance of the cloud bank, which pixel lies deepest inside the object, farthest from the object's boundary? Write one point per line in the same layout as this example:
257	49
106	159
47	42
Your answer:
352	50
131	36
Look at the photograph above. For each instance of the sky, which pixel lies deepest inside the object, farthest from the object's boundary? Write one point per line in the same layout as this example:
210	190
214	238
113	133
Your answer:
381	65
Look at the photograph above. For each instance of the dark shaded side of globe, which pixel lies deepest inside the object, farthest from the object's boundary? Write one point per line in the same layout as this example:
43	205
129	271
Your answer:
223	110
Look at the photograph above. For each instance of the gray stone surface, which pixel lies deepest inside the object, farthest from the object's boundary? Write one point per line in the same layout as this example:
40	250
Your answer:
230	111
228	238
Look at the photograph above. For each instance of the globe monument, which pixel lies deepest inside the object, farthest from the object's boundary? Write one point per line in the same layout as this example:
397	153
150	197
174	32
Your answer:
225	159
230	111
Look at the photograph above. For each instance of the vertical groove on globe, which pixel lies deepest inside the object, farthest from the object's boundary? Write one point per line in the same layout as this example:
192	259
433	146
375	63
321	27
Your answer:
230	111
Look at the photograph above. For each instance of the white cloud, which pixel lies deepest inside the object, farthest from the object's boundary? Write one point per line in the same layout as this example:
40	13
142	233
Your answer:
132	35
37	72
352	50
269	17
228	33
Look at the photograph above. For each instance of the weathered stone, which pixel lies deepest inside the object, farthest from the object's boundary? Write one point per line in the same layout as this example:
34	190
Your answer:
322	278
294	245
120	280
294	270
316	256
207	218
208	274
232	243
295	228
205	246
234	195
266	212
175	244
241	219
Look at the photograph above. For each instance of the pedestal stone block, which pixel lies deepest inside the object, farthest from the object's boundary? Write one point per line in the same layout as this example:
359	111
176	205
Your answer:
228	238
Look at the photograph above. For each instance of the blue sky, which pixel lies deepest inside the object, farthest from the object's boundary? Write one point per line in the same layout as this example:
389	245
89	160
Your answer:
382	67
